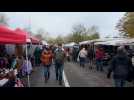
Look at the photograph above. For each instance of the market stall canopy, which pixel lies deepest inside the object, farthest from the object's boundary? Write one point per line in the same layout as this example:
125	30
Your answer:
34	40
130	41
100	40
114	42
70	44
83	42
44	43
9	36
101	43
20	31
93	41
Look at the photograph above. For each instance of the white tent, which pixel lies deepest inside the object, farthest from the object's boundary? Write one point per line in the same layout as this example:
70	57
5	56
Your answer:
130	41
44	43
114	42
94	41
101	43
84	42
70	44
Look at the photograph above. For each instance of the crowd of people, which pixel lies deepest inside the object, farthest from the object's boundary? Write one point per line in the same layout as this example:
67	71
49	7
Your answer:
22	63
119	62
13	68
50	55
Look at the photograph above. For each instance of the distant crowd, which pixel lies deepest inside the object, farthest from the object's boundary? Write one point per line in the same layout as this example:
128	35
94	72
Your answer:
119	62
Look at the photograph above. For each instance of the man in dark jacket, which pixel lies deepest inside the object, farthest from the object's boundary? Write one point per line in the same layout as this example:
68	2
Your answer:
121	65
59	57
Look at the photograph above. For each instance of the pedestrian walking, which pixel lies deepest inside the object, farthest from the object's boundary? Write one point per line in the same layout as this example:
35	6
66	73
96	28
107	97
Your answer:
59	57
90	57
37	54
68	54
75	54
46	59
120	65
99	59
82	57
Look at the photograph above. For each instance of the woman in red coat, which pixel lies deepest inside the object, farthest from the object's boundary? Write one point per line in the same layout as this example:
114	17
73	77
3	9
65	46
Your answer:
99	59
46	59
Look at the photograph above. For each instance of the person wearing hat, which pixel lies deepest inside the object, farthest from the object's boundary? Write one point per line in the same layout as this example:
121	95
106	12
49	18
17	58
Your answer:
46	59
120	65
37	54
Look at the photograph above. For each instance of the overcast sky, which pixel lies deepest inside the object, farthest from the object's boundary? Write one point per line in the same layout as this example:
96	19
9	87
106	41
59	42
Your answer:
57	23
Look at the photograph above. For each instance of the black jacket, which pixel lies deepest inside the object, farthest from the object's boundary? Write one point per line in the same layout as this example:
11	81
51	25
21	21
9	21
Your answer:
121	65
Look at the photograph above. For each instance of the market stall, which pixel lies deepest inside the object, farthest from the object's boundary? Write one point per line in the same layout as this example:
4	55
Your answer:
44	43
9	36
110	46
70	45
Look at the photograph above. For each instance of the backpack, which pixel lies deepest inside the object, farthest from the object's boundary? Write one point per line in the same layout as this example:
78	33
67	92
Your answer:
59	56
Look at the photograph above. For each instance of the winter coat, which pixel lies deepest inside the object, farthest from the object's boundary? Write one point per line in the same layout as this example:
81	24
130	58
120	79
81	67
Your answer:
121	65
99	54
83	53
46	58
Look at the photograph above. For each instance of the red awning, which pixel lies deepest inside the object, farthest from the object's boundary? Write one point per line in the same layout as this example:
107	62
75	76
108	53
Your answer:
9	36
35	40
20	31
30	39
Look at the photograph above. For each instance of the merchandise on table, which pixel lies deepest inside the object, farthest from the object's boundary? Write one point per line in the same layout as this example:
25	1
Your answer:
3	82
8	78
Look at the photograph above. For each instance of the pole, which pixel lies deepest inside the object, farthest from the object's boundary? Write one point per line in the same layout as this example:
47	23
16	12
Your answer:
28	79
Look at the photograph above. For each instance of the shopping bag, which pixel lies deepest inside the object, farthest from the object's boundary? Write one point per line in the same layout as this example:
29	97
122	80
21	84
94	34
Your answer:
78	59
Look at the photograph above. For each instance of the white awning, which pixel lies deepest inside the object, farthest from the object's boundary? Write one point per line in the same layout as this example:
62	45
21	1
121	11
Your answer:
94	41
70	44
114	42
44	43
83	42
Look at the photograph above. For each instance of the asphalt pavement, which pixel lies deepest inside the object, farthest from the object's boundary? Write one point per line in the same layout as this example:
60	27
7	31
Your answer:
37	78
74	76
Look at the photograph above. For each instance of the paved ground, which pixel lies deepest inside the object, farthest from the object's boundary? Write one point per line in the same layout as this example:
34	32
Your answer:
83	77
37	79
76	76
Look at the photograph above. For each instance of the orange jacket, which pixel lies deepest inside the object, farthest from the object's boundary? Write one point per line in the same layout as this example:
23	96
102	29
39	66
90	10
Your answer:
46	58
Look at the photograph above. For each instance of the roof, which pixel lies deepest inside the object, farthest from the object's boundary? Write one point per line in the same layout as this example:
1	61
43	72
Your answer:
9	36
70	44
114	41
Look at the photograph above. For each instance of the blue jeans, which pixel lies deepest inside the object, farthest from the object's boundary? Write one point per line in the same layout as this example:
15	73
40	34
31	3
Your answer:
119	82
82	61
47	71
59	71
99	65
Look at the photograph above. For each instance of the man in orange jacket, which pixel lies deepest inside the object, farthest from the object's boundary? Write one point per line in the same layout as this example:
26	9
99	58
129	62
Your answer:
46	59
